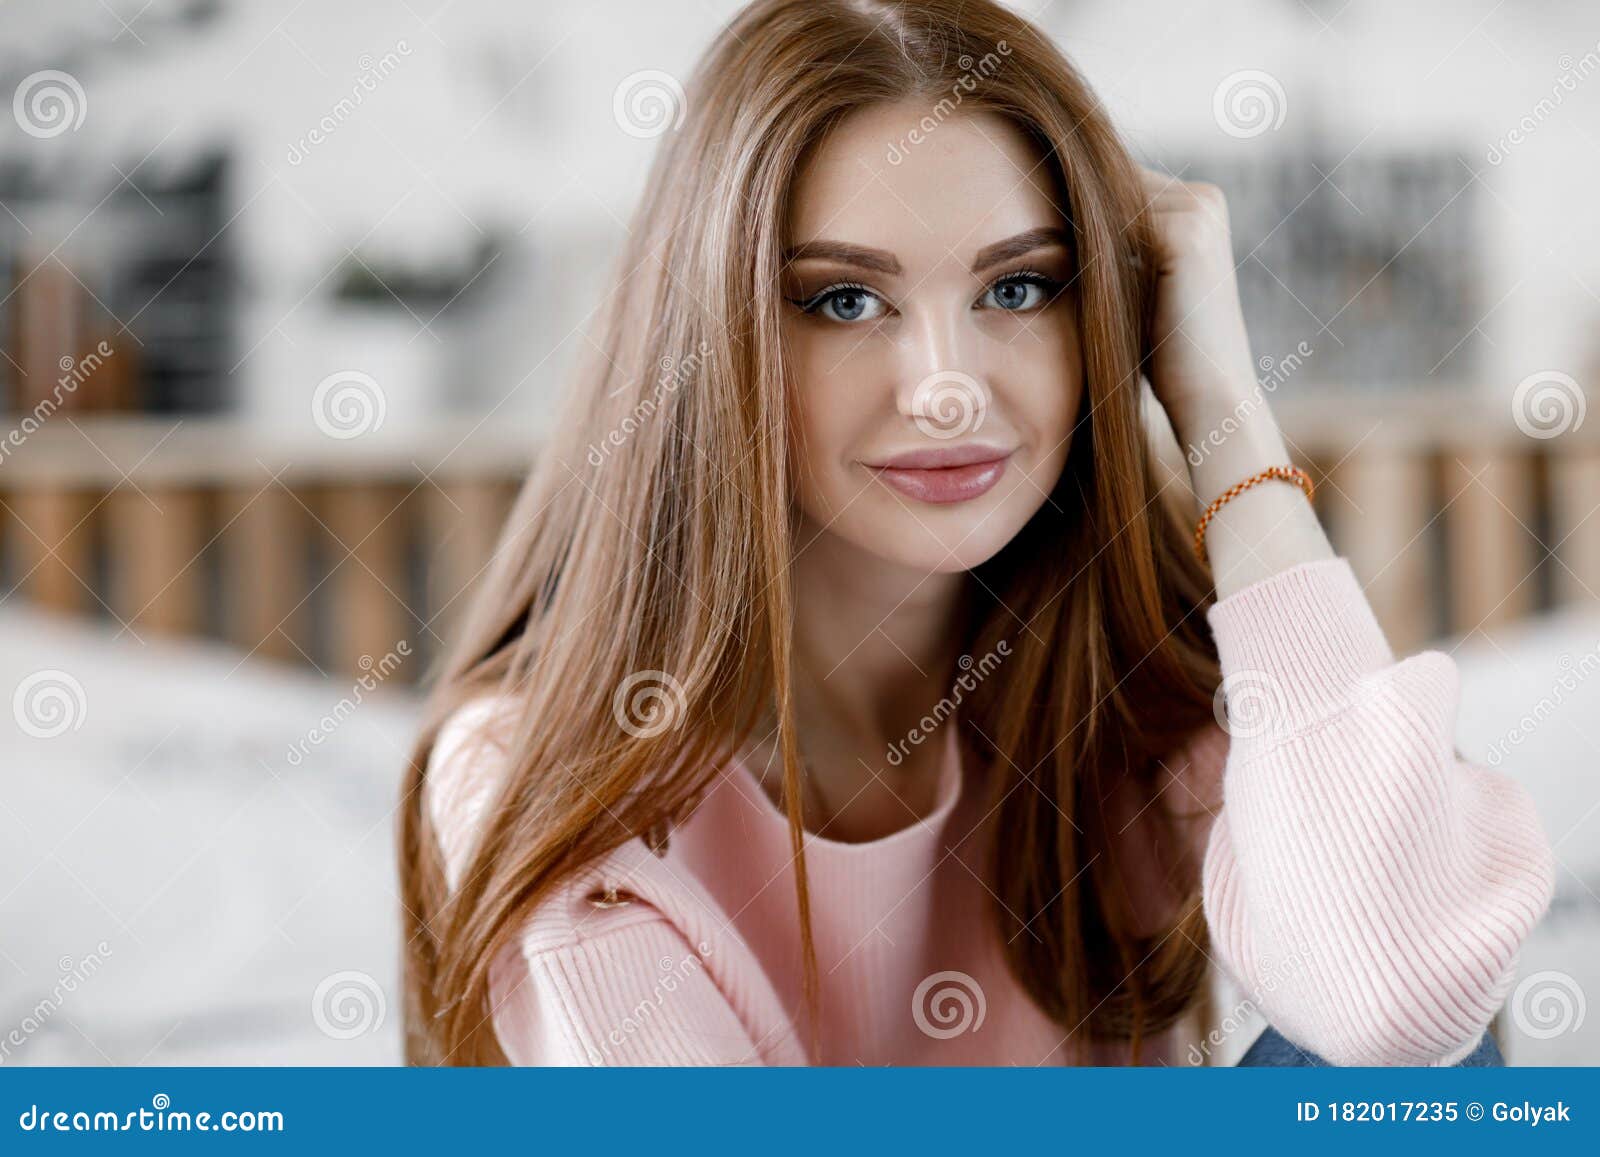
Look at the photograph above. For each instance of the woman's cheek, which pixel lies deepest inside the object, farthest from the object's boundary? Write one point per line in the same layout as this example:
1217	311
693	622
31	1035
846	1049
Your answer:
1046	385
826	411
836	386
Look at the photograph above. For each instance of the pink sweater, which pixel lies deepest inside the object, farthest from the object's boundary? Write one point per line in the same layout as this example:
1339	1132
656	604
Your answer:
1367	889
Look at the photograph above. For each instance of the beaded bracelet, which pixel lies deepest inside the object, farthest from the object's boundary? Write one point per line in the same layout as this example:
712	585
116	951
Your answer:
1288	473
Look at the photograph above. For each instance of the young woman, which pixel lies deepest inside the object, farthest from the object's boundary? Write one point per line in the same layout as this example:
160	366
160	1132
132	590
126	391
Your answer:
845	689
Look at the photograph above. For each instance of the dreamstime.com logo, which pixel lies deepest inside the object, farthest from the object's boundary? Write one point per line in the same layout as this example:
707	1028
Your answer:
376	671
160	1117
348	1004
1548	404
673	975
1548	1004
372	72
972	673
348	404
1273	974
1274	372
1248	103
648	103
49	103
1573	672
948	403
73	973
649	703
948	1004
1249	704
972	71
674	374
1572	73
74	372
49	703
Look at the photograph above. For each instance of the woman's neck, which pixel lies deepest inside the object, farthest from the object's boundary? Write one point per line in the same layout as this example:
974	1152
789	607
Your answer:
875	649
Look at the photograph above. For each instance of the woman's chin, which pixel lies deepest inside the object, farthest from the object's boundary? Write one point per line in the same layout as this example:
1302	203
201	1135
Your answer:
944	545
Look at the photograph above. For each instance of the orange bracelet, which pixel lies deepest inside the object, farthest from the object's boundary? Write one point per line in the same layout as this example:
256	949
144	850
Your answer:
1288	473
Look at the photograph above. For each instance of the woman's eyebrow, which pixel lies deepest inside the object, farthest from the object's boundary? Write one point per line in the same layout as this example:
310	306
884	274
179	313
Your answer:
882	261
1017	246
876	260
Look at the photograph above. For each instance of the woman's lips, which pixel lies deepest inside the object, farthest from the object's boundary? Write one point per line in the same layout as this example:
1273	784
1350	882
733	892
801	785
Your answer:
944	476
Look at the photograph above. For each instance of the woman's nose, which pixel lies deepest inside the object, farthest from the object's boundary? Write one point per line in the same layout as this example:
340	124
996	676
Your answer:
940	381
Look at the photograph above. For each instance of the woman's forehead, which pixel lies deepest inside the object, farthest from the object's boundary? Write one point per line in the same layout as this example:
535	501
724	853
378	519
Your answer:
893	177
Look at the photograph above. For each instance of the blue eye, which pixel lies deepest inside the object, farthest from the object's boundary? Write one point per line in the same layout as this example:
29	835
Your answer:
1018	292
845	303
848	302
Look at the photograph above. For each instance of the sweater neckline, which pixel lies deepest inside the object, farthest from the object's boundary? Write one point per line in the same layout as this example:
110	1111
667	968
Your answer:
922	834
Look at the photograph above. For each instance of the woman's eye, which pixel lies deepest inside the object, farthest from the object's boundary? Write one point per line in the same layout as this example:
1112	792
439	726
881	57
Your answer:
1015	294
844	302
847	304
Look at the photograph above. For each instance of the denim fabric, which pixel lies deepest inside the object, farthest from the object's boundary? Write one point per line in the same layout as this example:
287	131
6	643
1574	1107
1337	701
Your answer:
1273	1048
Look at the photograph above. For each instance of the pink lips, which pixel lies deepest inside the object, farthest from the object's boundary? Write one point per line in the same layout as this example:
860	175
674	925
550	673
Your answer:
944	475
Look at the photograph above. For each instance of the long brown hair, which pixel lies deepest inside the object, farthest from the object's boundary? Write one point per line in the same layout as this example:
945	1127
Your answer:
655	535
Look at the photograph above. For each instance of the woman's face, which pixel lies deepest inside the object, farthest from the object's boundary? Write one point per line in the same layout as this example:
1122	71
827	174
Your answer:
930	336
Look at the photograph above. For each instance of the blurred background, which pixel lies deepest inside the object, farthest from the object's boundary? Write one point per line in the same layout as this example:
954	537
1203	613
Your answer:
288	292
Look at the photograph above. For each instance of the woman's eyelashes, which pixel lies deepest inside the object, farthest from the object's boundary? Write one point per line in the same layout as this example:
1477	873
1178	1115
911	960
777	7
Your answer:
848	302
1021	292
845	301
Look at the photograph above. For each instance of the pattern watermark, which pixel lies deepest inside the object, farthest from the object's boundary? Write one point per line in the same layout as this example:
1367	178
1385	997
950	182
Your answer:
348	404
49	103
674	373
672	975
1566	82
348	1004
72	974
1243	1010
1274	372
1548	1004
648	103
972	673
376	673
373	72
1573	672
649	703
948	1004
1248	103
1249	704
972	71
74	372
948	403
49	703
1548	404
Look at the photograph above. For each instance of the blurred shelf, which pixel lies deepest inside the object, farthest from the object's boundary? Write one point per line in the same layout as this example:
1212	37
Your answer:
100	451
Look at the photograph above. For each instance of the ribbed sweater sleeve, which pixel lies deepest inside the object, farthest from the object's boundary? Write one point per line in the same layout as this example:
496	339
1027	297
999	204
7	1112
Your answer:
635	995
1369	888
580	985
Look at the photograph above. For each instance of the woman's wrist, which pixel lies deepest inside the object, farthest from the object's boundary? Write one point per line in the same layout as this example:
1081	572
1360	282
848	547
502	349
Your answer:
1226	437
1266	529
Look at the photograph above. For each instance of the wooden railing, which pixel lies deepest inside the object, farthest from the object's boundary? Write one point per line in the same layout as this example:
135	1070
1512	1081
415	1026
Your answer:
332	552
1455	517
324	551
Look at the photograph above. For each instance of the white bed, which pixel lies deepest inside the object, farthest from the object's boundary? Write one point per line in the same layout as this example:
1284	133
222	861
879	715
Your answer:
171	826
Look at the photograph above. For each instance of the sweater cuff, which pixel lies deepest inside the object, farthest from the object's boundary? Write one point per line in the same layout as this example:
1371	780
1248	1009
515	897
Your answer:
1293	646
